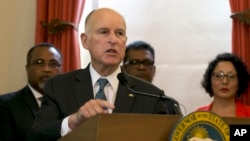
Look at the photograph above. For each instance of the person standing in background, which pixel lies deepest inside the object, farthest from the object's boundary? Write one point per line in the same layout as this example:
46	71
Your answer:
18	109
139	60
225	79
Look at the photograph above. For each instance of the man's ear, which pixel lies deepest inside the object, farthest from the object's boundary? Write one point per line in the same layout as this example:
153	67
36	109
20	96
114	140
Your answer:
84	40
154	68
26	67
123	66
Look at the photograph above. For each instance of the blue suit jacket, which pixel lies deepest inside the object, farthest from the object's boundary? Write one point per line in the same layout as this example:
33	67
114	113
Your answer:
17	113
64	94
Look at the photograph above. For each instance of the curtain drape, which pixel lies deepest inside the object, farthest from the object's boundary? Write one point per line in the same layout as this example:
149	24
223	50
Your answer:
241	38
67	41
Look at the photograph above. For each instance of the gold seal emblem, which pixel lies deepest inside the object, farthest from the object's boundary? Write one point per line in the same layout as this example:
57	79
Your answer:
200	126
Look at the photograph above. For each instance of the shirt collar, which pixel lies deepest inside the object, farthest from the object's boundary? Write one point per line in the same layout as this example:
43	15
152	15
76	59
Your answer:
35	92
112	78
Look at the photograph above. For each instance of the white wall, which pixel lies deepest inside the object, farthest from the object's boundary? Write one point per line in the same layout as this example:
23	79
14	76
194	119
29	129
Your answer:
186	34
16	37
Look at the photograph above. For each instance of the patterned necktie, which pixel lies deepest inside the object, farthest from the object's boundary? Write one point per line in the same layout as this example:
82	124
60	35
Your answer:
100	94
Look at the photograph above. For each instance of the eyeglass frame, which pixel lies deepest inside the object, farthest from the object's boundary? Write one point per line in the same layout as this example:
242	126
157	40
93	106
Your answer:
42	63
232	77
136	63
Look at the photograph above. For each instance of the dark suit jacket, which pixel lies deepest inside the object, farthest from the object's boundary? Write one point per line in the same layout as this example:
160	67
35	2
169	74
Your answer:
17	113
65	93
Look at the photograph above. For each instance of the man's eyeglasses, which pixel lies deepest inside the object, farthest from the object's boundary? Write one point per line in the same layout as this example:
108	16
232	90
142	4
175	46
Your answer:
137	63
42	63
220	76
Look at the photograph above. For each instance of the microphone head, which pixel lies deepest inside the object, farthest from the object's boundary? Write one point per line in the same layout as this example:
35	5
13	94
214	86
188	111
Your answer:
122	78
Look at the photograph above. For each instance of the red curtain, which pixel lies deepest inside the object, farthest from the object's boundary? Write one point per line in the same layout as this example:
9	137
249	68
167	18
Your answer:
67	41
241	38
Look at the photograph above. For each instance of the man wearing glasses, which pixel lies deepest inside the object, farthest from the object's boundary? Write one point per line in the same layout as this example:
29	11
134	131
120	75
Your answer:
18	109
139	60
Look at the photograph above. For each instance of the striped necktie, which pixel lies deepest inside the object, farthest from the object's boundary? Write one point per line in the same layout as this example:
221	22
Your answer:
100	94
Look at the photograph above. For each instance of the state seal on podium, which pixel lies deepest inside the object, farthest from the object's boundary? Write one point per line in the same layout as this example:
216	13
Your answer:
200	126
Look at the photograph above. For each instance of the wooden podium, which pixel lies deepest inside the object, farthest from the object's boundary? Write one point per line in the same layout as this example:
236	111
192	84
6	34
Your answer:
130	127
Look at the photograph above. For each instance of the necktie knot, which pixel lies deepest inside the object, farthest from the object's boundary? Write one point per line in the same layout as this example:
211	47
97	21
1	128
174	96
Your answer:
100	94
40	99
102	82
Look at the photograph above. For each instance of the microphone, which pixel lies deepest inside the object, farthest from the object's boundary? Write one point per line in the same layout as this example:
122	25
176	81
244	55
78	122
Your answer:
124	81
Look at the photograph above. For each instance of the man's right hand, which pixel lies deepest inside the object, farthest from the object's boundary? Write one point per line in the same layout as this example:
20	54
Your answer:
88	110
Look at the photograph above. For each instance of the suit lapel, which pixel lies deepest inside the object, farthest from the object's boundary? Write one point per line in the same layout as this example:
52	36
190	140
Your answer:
83	86
124	98
84	92
30	101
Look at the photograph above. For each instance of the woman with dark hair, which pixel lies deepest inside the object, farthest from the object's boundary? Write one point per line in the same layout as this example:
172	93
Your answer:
225	79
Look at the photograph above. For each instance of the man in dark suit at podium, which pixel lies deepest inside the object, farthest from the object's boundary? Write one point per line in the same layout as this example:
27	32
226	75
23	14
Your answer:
101	88
18	109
